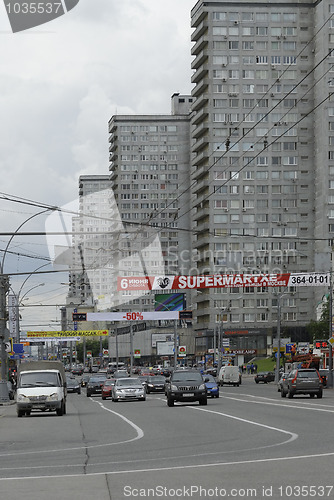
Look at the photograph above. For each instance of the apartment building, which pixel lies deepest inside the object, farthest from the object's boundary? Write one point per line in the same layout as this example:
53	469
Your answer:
262	135
91	273
149	173
239	178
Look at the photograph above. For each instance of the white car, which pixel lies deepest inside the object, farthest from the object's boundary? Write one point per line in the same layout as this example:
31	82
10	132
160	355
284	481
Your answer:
128	388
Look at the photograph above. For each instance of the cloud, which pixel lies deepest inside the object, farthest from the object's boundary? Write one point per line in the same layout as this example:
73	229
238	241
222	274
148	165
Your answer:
61	82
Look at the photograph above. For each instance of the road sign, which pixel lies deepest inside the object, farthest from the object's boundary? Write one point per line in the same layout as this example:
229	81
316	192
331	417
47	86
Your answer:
69	333
9	345
186	314
182	350
132	316
79	316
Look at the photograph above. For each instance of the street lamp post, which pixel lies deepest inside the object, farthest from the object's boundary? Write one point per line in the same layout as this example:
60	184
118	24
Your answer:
19	303
278	335
175	343
4	287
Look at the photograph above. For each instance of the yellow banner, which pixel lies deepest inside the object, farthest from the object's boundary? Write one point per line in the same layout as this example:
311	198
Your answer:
71	333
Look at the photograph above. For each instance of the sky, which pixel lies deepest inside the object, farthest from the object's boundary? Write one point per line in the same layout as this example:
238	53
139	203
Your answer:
59	85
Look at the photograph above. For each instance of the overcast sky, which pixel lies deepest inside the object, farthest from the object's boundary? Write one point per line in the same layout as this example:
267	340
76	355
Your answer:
60	84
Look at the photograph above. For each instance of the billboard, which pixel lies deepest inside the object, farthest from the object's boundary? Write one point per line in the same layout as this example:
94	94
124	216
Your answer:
162	337
169	302
165	348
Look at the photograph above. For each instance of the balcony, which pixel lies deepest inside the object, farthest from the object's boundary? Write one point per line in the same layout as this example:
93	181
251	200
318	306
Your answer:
200	144
200	73
200	87
200	102
201	58
201	29
200	130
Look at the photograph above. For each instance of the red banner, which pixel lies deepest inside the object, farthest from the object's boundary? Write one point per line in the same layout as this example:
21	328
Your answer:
221	280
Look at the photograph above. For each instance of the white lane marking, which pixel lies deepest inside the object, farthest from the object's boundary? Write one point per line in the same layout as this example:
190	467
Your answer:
282	405
293	435
178	467
139	432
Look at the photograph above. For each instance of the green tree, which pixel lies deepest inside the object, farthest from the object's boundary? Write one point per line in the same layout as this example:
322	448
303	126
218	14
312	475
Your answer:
320	329
91	345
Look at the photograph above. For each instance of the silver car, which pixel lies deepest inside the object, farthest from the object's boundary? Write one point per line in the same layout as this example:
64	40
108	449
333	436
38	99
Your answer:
128	388
302	381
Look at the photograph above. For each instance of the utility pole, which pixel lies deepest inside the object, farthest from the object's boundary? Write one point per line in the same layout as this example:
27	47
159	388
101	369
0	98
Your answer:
4	286
175	344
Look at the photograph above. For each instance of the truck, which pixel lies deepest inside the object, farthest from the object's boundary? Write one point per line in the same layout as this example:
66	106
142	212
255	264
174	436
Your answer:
41	385
307	360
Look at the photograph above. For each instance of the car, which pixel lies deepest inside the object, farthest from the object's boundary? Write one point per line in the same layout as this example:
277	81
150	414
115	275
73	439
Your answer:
94	385
302	381
128	389
264	377
212	386
77	371
186	386
155	384
211	371
283	376
84	379
107	388
73	385
121	374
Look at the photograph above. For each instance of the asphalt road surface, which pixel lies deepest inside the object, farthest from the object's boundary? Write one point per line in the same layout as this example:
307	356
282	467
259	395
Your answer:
249	443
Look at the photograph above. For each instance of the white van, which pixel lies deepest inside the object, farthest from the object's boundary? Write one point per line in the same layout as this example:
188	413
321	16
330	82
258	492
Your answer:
41	385
229	375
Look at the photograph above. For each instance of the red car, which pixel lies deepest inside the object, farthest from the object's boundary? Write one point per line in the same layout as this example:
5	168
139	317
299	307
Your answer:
107	388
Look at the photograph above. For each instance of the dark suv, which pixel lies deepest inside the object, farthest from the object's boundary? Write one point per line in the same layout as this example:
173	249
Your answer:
94	385
186	385
302	381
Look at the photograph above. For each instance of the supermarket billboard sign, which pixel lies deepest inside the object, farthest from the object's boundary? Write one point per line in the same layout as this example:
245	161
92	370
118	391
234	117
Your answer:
222	281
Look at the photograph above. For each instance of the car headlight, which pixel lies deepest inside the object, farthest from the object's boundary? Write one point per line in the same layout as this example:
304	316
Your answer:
21	398
214	388
150	385
202	387
173	387
52	397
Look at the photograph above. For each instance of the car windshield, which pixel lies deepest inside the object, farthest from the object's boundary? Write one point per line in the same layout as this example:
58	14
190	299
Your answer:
187	377
210	377
109	382
96	379
128	381
154	380
71	381
121	374
310	374
39	379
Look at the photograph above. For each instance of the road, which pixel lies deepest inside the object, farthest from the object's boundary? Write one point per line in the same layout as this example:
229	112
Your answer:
249	443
